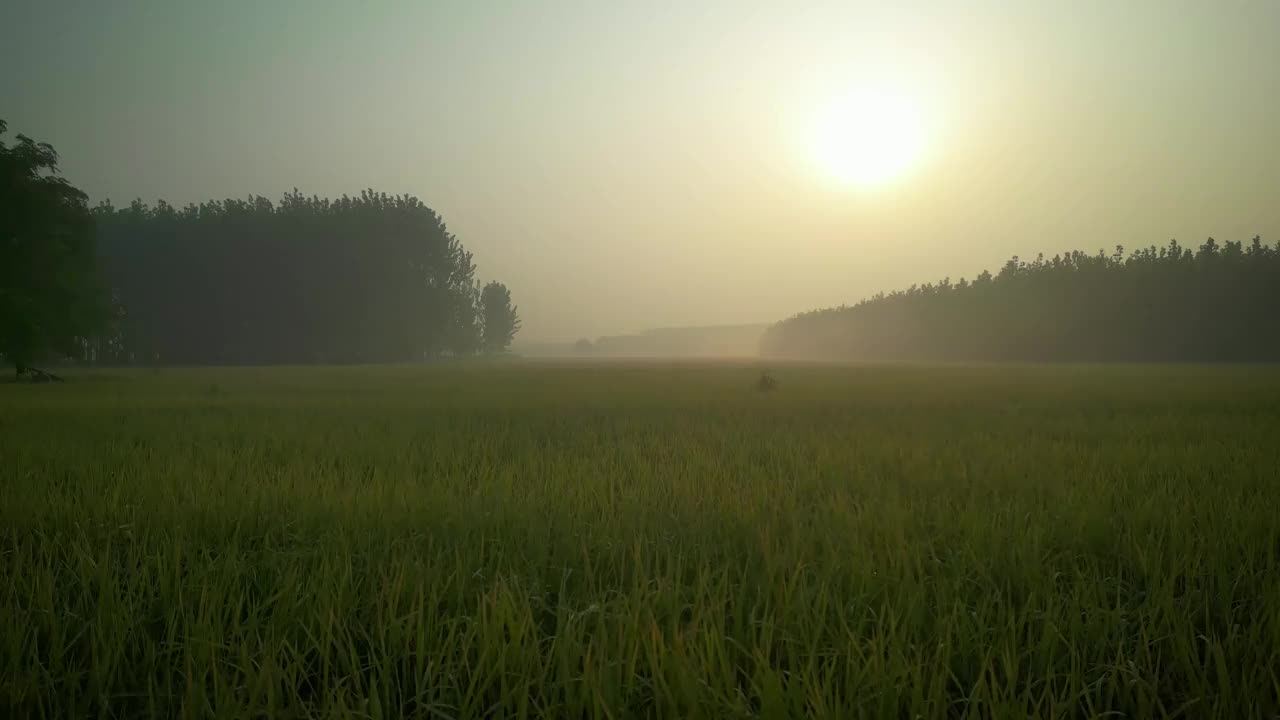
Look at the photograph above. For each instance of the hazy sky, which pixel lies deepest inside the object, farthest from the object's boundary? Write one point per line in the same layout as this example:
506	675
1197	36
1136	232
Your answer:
623	166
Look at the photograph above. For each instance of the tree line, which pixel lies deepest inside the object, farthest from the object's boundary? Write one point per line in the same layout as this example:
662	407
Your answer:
371	278
1217	302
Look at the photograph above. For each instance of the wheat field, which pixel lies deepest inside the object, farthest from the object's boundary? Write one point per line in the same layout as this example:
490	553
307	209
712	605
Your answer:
618	540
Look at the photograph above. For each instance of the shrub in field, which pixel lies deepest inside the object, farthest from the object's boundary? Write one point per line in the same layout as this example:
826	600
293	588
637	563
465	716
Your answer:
766	383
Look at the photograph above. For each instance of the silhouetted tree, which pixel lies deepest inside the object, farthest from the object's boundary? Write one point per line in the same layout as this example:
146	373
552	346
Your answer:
374	278
1218	303
500	321
49	296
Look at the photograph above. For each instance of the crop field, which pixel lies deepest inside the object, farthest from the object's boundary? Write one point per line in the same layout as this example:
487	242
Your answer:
624	540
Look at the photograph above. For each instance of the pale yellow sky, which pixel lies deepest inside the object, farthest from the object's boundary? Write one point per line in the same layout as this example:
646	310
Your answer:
631	165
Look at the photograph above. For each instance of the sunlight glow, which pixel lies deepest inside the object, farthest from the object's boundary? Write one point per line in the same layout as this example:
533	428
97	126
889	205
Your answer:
868	138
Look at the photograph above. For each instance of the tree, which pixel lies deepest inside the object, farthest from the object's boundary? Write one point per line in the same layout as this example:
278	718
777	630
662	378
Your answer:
498	317
1216	303
371	278
50	300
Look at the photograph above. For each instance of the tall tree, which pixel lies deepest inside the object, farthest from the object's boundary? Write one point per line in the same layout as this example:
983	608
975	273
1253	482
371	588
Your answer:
498	316
49	296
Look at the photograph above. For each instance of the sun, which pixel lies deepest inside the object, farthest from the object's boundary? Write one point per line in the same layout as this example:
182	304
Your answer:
868	138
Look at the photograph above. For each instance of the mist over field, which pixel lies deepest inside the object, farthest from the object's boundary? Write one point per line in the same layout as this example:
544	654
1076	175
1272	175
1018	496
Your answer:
639	360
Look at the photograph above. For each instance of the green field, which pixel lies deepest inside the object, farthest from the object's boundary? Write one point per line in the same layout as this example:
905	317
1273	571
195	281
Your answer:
642	540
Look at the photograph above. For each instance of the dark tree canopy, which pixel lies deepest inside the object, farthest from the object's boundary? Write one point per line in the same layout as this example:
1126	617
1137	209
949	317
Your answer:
1220	302
498	317
373	278
49	295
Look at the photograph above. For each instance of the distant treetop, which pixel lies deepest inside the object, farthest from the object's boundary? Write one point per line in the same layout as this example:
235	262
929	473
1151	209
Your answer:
1220	302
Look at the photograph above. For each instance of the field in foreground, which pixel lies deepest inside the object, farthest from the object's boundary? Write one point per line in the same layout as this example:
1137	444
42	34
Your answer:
618	540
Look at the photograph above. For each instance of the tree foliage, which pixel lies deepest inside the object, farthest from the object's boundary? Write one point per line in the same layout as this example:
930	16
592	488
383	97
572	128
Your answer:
49	295
1216	303
499	320
372	278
